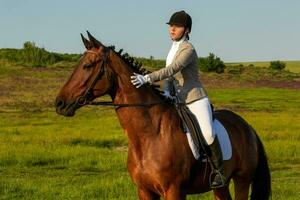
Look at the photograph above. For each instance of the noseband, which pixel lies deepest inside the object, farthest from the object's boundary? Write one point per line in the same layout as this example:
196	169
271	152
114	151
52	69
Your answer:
83	99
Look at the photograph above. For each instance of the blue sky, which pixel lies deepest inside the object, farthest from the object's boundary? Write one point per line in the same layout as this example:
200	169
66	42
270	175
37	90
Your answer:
235	30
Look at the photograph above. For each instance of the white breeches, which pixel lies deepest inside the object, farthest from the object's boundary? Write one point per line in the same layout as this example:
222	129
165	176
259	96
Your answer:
202	110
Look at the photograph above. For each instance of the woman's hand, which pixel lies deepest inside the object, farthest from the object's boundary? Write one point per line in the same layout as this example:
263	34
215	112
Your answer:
138	80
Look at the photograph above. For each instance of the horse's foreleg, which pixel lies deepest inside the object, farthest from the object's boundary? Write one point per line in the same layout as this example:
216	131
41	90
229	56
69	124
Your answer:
222	194
145	194
241	188
174	193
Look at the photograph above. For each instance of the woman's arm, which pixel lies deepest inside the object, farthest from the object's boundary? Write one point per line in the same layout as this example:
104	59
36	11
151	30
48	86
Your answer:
184	58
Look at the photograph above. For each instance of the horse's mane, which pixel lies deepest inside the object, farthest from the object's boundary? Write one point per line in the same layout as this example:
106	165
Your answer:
137	67
134	64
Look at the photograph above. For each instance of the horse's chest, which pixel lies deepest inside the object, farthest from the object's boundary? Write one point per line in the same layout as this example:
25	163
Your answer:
147	178
140	171
150	174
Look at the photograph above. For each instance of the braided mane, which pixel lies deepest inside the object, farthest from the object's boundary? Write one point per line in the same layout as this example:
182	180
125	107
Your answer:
137	66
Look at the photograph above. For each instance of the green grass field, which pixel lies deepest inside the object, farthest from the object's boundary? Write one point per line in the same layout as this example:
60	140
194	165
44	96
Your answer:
47	156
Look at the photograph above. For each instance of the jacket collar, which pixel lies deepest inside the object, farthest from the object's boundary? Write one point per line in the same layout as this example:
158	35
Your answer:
182	44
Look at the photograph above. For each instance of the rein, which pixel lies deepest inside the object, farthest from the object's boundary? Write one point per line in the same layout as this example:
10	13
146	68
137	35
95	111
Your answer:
119	105
83	99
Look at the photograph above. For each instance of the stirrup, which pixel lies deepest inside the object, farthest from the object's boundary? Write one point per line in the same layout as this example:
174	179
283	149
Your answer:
223	179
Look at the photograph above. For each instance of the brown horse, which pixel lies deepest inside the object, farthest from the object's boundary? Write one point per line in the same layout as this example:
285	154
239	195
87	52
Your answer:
160	161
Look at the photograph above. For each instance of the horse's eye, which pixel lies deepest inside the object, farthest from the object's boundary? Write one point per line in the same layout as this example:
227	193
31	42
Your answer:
88	65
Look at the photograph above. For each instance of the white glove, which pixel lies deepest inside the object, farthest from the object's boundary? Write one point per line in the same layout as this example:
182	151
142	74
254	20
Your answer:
138	80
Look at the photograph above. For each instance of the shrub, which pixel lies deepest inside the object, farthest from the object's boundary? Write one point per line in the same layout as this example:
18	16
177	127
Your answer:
151	63
31	55
36	56
277	65
235	69
211	63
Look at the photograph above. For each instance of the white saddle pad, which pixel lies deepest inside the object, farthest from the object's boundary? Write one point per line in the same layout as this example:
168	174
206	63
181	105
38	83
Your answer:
223	139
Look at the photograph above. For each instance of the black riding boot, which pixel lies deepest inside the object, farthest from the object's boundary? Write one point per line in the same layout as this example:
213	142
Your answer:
216	158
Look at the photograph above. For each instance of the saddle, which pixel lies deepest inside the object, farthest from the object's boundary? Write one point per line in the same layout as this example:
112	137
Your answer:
188	119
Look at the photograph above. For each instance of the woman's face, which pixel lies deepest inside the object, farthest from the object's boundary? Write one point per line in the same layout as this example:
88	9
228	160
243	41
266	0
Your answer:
176	32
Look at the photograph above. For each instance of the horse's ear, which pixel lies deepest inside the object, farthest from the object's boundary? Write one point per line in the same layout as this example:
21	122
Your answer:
94	41
87	44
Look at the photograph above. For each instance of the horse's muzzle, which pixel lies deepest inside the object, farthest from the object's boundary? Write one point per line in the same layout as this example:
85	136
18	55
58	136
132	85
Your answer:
64	108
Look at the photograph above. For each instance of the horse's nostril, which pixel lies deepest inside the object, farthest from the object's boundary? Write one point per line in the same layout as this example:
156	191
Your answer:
59	103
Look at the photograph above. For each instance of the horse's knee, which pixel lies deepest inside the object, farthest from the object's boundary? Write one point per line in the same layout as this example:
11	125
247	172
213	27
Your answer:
175	194
241	188
222	193
145	194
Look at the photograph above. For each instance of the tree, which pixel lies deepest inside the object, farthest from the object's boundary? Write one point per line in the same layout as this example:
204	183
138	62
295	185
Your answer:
277	65
212	63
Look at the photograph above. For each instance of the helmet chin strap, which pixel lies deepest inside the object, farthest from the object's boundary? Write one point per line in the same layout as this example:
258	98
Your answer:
183	34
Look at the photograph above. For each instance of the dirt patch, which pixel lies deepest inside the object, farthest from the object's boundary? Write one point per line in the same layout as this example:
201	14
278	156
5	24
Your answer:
278	84
227	83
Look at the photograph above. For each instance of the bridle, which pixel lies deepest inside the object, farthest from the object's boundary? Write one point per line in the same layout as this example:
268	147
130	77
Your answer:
83	99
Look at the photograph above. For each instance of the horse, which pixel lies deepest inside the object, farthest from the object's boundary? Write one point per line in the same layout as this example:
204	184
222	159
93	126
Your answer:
160	161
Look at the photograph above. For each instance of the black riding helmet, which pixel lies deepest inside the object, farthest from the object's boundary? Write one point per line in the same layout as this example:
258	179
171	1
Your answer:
181	18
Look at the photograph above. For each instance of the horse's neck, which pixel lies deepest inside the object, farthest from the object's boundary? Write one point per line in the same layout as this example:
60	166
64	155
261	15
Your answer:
126	93
137	121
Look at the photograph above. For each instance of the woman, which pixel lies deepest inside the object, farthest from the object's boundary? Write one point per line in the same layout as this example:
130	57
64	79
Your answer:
182	71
